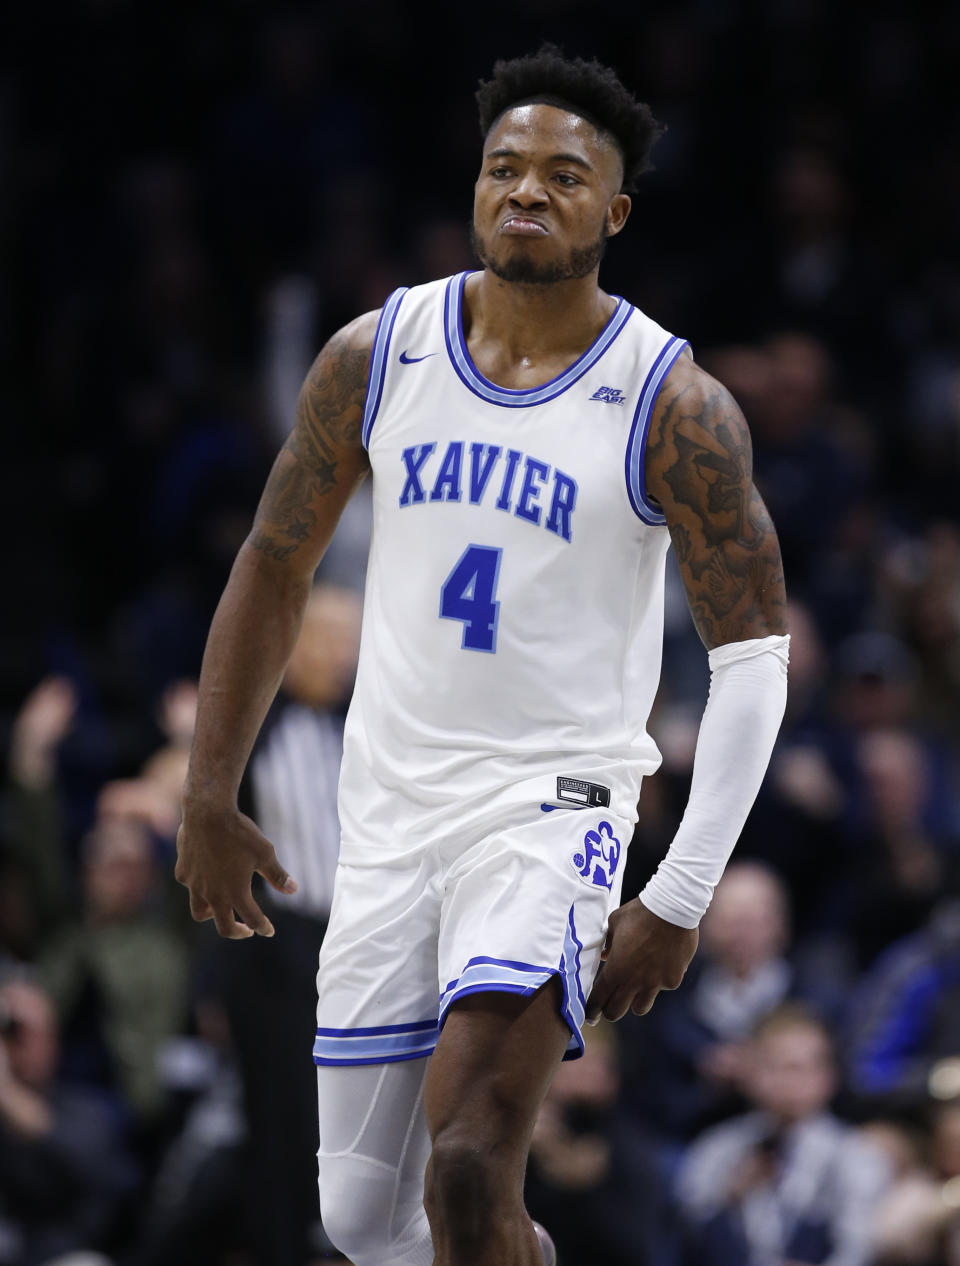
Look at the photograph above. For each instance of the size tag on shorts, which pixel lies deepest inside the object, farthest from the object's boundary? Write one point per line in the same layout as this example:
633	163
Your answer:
588	795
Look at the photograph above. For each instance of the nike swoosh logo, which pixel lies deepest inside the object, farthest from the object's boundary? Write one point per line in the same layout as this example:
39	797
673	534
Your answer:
412	360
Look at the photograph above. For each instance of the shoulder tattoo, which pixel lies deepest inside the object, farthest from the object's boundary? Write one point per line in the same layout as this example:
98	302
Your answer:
324	440
700	460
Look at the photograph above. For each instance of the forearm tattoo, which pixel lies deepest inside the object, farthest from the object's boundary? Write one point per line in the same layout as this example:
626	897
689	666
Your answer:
308	469
725	541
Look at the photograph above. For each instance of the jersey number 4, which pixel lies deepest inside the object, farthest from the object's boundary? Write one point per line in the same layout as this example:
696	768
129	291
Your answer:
467	595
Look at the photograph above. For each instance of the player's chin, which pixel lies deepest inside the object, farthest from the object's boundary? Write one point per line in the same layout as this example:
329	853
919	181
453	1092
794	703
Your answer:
525	265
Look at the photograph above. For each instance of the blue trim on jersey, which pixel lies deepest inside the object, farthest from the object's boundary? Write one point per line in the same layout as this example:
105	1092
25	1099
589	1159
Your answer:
381	1045
511	397
634	463
378	363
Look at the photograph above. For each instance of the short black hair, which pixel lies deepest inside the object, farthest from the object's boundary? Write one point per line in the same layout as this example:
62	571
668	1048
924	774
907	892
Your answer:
587	89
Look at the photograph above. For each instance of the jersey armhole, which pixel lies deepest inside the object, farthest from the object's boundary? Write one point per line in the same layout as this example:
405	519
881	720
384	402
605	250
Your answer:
378	363
646	510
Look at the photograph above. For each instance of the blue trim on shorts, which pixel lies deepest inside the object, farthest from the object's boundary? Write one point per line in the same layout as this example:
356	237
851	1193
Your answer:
486	987
510	964
393	1043
497	975
383	1044
420	1027
574	946
324	1061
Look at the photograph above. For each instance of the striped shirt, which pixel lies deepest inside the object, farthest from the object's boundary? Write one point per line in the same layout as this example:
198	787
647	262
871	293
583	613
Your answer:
294	775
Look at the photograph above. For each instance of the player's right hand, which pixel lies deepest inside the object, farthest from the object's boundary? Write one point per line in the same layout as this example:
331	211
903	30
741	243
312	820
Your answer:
218	854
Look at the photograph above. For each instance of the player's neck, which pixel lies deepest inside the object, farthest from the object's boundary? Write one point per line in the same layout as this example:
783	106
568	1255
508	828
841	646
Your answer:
530	324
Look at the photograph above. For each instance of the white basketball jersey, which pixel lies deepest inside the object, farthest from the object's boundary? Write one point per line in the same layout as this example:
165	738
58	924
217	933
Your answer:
513	619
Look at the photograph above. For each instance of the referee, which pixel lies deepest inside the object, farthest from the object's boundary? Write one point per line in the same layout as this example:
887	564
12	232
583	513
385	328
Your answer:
290	791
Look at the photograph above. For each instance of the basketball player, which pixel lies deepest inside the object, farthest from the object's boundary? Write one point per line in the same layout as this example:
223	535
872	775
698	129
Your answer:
535	444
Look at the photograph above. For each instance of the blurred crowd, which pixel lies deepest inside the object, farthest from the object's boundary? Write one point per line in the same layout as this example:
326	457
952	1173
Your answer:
195	198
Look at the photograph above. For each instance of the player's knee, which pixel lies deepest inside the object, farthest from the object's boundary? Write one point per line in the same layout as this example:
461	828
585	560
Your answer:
357	1204
464	1186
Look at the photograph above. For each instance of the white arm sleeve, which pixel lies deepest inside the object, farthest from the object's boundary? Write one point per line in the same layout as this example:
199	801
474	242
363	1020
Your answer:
748	694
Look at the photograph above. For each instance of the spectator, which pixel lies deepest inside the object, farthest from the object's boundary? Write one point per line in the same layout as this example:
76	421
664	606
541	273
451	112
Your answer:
902	867
689	1057
195	1205
797	823
809	470
64	1175
919	1221
905	1016
153	797
786	1183
267	984
116	973
876	682
37	868
592	1179
920	580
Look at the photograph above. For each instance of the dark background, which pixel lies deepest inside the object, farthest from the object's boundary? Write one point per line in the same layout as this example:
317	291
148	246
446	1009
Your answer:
165	166
194	196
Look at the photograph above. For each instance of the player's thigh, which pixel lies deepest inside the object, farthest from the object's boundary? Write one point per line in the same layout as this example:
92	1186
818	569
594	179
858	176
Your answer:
493	1065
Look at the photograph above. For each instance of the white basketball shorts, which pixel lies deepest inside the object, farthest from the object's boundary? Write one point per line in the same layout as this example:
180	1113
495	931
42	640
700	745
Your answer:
407	938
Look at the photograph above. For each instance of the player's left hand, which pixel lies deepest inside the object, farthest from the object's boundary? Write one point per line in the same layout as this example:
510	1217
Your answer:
642	955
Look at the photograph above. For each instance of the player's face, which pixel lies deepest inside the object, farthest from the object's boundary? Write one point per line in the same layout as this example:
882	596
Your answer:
547	197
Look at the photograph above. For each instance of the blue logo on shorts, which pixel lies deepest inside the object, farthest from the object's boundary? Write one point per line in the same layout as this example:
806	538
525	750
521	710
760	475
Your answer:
599	857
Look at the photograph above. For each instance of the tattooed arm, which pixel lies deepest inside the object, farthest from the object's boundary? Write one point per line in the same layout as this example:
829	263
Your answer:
699	467
255	627
323	460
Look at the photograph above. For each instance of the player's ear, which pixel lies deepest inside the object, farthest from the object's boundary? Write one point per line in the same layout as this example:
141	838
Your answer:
617	213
